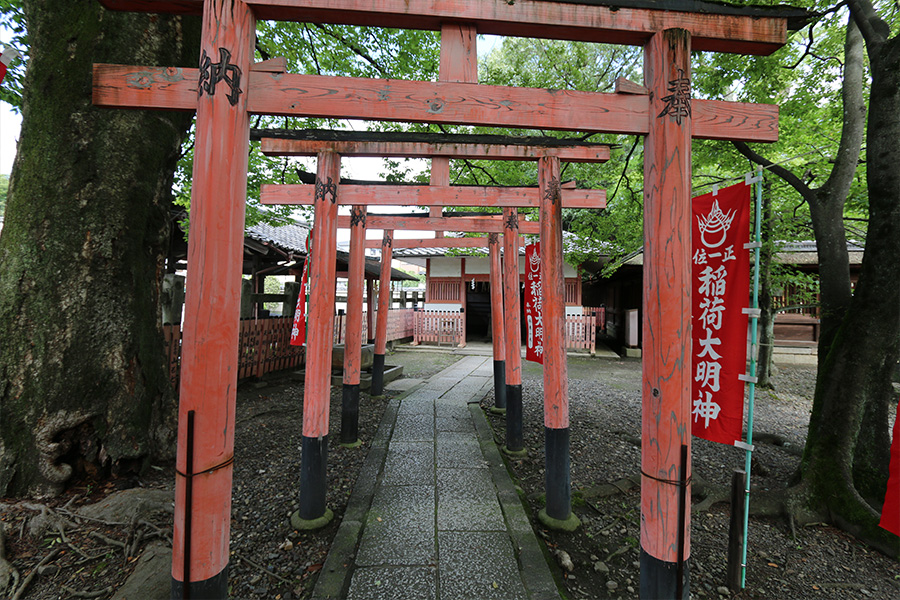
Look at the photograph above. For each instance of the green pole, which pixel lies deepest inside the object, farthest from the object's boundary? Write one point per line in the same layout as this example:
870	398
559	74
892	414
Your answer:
751	379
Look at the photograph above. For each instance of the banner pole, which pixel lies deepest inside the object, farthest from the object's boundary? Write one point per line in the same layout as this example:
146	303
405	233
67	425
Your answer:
754	319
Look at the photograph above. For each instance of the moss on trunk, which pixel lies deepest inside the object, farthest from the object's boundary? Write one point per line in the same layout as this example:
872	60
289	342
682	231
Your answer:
82	371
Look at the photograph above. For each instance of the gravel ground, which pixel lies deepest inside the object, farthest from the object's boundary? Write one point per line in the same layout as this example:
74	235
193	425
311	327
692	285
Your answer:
270	560
818	561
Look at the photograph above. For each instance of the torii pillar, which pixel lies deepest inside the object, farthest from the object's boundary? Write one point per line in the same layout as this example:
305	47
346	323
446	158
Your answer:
666	361
353	339
497	330
384	305
313	513
206	408
515	441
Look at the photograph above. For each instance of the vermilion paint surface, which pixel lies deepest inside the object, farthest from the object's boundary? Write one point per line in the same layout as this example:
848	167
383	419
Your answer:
384	293
497	315
511	296
355	278
212	300
666	357
320	332
556	381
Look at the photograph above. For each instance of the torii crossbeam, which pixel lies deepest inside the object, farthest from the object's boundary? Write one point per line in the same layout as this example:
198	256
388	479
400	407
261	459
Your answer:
225	91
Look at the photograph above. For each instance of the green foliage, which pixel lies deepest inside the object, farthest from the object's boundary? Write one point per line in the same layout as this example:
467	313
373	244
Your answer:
13	19
324	50
4	186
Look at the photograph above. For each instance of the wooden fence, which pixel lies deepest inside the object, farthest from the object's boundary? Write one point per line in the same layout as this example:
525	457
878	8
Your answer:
265	343
581	333
444	327
441	327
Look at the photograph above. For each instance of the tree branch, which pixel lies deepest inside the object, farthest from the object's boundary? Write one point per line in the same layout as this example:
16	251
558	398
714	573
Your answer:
853	126
792	180
874	30
359	51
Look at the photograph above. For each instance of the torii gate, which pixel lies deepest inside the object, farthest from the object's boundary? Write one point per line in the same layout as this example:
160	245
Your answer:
550	197
666	115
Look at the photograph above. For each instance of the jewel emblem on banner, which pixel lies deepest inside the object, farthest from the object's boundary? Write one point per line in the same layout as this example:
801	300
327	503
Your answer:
534	316
720	274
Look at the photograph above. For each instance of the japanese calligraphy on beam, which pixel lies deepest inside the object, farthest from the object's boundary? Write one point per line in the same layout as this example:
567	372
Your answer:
714	27
431	195
460	224
120	86
584	154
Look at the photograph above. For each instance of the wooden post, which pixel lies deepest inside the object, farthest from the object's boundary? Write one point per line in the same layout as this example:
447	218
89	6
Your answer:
558	512
353	340
172	298
291	293
462	302
312	513
459	62
209	357
246	309
666	358
734	568
515	443
497	325
384	305
370	311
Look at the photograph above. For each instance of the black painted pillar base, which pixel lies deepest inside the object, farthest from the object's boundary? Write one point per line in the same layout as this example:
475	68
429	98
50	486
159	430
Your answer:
557	480
499	386
214	588
515	441
377	388
350	415
313	485
659	579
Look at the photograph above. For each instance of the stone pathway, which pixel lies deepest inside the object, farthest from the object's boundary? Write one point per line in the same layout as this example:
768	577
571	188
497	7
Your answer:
435	515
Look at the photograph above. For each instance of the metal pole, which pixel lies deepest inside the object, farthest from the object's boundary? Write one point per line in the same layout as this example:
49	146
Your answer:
754	317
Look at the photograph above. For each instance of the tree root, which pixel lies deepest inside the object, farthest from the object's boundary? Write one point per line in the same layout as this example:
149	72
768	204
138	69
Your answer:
27	581
8	573
108	590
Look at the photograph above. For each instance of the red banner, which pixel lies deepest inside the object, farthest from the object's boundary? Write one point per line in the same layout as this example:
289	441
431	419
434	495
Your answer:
719	294
534	316
298	332
890	512
6	57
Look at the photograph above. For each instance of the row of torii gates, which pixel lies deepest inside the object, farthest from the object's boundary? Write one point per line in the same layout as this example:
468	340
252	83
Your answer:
229	87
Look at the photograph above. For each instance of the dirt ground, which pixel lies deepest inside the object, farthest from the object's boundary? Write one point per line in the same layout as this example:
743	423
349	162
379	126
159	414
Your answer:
62	553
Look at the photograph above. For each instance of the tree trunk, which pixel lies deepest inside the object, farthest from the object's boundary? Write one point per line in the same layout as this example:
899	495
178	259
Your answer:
857	370
767	311
83	380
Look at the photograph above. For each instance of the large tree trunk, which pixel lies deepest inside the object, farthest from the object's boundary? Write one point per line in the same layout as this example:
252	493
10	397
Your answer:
856	371
82	374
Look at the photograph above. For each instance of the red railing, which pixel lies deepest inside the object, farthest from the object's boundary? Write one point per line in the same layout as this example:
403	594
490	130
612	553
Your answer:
440	327
265	343
581	333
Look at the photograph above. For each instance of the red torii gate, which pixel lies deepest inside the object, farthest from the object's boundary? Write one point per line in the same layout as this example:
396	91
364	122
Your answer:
667	116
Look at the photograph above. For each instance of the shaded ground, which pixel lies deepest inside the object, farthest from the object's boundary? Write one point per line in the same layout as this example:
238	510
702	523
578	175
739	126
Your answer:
818	561
271	560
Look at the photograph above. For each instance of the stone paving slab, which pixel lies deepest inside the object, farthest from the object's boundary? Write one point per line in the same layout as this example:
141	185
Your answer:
413	428
434	514
467	501
391	583
409	462
478	564
399	528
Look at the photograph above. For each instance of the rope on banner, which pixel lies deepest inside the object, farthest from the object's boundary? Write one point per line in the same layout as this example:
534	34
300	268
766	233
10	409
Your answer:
750	378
